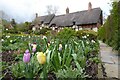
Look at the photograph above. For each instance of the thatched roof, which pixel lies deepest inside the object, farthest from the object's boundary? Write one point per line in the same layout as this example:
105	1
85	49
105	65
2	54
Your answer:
80	18
45	19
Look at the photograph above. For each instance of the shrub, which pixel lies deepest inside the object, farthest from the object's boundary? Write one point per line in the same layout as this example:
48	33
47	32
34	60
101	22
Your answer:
92	35
101	33
65	34
42	31
109	33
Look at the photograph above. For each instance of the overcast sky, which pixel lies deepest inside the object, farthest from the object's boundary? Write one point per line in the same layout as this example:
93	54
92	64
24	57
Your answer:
24	10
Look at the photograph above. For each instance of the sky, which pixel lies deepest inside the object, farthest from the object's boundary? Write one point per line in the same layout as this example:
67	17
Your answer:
24	10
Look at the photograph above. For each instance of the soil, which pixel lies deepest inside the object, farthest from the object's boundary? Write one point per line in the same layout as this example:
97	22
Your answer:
8	56
51	76
9	59
91	68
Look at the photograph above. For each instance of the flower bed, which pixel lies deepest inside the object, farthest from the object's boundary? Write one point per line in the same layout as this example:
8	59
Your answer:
41	57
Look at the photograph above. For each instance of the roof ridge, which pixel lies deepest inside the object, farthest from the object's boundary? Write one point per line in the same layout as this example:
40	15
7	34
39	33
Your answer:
77	12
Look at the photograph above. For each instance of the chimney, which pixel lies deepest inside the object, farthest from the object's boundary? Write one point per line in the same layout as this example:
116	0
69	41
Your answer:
67	10
36	15
89	6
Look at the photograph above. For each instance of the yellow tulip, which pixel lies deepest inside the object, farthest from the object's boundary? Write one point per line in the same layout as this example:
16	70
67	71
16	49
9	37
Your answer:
41	57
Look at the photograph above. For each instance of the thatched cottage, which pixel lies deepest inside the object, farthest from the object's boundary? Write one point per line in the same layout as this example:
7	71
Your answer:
86	19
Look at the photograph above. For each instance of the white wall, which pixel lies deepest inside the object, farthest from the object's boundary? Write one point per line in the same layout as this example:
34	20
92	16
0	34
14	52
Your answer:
95	29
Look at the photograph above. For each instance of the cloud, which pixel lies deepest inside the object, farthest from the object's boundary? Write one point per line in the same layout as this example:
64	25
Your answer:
24	10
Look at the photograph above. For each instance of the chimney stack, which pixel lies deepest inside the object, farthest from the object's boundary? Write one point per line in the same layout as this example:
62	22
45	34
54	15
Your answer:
89	6
67	10
36	15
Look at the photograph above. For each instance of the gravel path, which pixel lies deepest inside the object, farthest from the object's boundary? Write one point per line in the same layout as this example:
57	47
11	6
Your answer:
110	60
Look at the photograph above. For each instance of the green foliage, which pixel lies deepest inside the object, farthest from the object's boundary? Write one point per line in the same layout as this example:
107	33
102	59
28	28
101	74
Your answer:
92	34
70	60
17	41
16	28
13	23
11	31
42	31
5	23
1	28
69	72
109	33
12	43
4	66
65	34
95	59
101	33
23	27
27	70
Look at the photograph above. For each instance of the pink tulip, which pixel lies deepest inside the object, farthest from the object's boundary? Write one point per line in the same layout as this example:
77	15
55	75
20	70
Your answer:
33	49
34	45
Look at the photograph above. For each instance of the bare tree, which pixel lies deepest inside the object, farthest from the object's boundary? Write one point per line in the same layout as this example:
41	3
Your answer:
51	9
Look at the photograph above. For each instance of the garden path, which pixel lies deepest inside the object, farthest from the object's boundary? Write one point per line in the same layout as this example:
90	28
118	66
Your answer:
110	60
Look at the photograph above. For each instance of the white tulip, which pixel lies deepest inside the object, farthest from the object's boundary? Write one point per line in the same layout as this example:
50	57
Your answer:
92	41
44	37
7	36
2	40
11	41
87	42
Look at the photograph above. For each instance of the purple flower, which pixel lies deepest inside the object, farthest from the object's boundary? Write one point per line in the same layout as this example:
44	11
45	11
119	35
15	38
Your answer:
27	51
26	57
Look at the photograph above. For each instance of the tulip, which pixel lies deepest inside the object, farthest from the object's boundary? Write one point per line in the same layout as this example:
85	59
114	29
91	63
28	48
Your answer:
33	28
60	47
88	35
34	47
44	37
27	51
85	36
87	42
41	57
2	40
92	41
48	44
47	51
28	36
26	57
7	36
11	41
